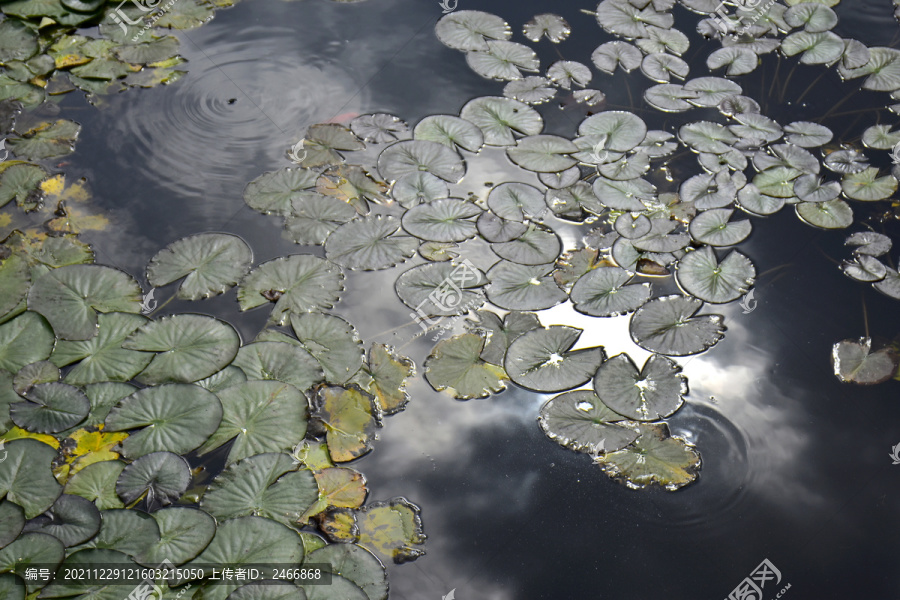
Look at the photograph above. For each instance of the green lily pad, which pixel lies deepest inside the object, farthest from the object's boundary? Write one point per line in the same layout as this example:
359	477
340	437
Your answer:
227	377
854	362
355	564
542	360
866	185
580	421
834	214
667	325
186	14
70	297
102	357
183	533
421	186
450	131
47	140
17	41
516	201
313	217
441	289
412	156
211	264
36	550
174	417
297	284
323	141
261	416
391	530
24	340
500	118
543	153
266	485
279	361
26	478
655	458
713	227
87	559
159	477
157	50
444	220
22	182
50	407
629	21
523	287
189	348
349	417
653	393
387	374
332	341
624	130
33	374
97	483
12	520
103	397
807	134
338	487
468	30
127	531
611	55
810	188
605	292
503	60
456	364
501	333
817	47
72	520
275	191
701	274
369	244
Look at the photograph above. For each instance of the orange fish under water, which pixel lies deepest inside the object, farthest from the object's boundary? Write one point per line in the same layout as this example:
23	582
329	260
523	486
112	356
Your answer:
343	118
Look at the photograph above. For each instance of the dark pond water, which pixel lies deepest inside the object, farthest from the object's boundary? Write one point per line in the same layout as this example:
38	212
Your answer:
795	464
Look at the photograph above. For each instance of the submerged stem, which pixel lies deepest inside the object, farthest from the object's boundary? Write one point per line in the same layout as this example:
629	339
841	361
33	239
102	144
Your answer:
810	86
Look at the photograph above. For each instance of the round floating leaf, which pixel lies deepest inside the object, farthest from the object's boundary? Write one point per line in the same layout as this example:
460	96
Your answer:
189	347
379	128
438	251
855	363
183	533
602	292
97	483
543	153
880	137
51	407
70	297
247	540
530	90
24	340
15	279
102	357
661	67
174	417
502	60
87	559
653	393
890	285
610	55
501	334
496	229
834	214
103	397
444	220
624	130
267	591
811	16
700	274
499	118
211	263
523	287
705	136
654	458
469	29
392	530
31	550
667	325
624	195
313	217
563	179
262	416
72	520
441	289
332	341
536	246
566	72
47	140
669	97
387	373
162	476
12	520
542	360
128	531
713	227
580	421
866	185
419	187
412	156
516	201
279	361
456	365
298	283
807	135
21	181
810	188
355	564
817	48
869	243
369	244
266	485
553	26
739	61
628	21
323	140
275	191
450	131
349	417
17	41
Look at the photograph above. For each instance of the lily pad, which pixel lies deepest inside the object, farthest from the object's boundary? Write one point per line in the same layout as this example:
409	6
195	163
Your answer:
281	362
369	244
26	478
543	153
50	408
542	360
349	418
72	520
388	373
97	483
128	531
332	341
653	393
516	201
419	187
444	220
869	243
834	214
441	289
807	135
456	364
275	191
266	485
701	274
714	228
523	287
866	185
667	325
313	217
470	29
392	530
810	188
297	284
24	340
21	182
261	416
211	264
323	141
379	128
611	55
817	48
502	60
450	131
501	333
854	362
70	297
412	156
174	417
536	246
160	477
553	26
654	458
183	533
500	118
102	358
605	292
530	90
189	348
624	130
356	564
47	140
580	421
